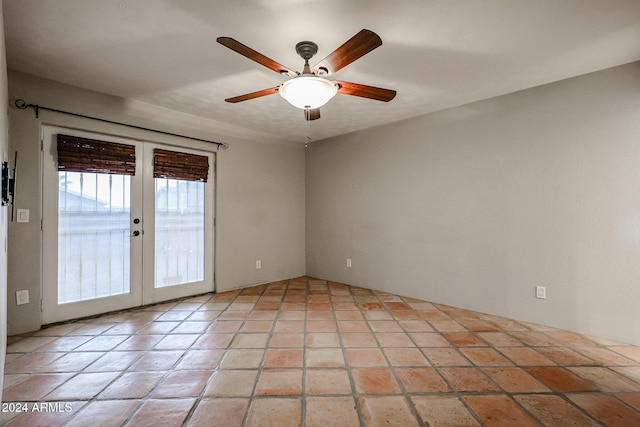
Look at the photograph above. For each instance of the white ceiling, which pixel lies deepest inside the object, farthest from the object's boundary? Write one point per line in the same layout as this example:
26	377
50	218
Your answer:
437	54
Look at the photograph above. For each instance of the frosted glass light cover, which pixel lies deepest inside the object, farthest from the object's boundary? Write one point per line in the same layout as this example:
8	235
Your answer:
308	92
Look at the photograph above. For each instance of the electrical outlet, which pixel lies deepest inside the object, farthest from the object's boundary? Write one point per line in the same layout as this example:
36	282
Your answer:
258	264
22	297
349	262
541	292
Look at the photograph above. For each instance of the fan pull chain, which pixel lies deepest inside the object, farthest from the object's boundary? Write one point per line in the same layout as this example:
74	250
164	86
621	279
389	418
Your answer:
307	114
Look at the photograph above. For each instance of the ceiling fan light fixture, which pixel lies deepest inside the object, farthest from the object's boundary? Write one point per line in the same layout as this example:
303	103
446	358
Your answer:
308	91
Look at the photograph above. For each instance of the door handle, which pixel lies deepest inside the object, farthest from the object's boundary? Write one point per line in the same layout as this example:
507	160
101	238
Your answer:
135	233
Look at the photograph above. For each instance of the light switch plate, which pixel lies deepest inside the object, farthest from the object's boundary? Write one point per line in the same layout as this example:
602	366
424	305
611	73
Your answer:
23	215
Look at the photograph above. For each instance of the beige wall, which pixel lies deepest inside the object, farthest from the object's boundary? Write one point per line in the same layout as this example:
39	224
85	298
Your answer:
477	205
4	146
259	188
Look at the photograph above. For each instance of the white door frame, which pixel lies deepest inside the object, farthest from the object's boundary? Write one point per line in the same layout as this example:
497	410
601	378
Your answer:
142	249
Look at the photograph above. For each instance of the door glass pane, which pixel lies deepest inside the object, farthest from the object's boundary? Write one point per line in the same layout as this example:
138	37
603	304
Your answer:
93	236
179	232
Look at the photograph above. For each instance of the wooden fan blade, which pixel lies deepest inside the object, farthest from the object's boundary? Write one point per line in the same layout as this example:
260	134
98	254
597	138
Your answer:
357	46
312	114
365	91
253	95
246	51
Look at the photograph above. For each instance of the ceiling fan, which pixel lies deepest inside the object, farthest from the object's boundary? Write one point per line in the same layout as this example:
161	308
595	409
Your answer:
311	89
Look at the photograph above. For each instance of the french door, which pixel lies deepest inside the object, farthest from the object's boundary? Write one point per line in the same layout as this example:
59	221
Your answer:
116	239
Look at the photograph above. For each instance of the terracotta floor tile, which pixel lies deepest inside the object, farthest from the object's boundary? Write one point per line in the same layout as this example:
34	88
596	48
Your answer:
162	412
631	372
387	411
631	352
526	356
464	339
499	411
310	352
82	386
394	339
405	315
327	381
353	326
257	326
515	380
468	380
565	356
104	413
200	359
428	339
377	315
321	326
554	411
157	361
443	411
606	409
445	357
447	326
225	326
219	413
283	358
385	326
605	356
631	399
421	380
279	382
34	362
132	385
182	384
570	338
287	340
324	358
478	325
139	342
561	380
29	344
331	412
415	326
250	341
71	362
482	356
232	383
214	340
249	358
275	412
536	339
320	315
375	381
114	361
358	340
191	327
348	315
605	379
361	357
322	339
63	344
499	339
406	357
34	388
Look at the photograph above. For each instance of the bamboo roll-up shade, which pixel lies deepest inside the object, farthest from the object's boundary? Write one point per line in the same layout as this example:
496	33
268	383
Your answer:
177	165
76	154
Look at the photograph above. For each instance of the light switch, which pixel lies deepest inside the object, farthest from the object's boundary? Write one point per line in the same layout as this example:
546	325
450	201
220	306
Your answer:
23	215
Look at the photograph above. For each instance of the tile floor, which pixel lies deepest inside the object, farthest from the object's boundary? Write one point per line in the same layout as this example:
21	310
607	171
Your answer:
307	352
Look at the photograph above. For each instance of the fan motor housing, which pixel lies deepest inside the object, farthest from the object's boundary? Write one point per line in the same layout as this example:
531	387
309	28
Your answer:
306	49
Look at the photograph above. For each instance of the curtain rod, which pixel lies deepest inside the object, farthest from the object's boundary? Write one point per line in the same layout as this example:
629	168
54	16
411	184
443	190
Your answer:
22	105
